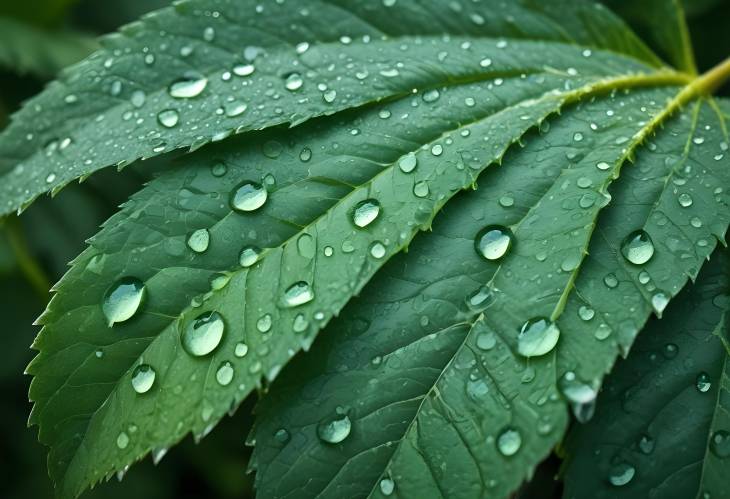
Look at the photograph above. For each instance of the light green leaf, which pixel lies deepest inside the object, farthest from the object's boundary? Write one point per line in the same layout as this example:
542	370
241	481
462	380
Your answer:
25	49
662	421
314	59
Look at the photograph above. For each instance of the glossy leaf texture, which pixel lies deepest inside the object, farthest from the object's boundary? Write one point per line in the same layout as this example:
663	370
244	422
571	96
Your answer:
206	283
425	365
662	425
204	69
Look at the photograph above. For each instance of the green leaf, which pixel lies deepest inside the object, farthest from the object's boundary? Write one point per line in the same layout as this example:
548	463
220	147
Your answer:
25	49
357	52
413	152
411	362
663	407
663	23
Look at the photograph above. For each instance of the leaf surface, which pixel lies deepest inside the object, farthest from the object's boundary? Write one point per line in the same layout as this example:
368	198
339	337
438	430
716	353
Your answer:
663	407
317	58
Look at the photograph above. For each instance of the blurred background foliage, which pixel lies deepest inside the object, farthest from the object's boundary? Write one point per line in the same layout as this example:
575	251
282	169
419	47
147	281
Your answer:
37	39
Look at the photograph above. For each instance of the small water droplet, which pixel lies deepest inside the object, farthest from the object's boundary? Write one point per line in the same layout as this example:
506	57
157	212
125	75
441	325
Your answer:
293	82
646	444
610	281
603	165
685	200
509	442
240	350
305	155
703	382
387	486
408	163
621	474
366	212
282	436
298	294
122	440
659	301
168	118
493	242
537	337
431	95
249	255
188	87
224	374
203	334
329	96
244	69
637	247
420	190
334	430
264	323
377	250
248	196
199	240
123	299
720	444
143	377
586	313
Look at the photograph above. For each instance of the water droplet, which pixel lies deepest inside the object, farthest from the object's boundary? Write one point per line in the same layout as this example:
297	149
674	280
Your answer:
437	150
431	95
509	442
420	190
485	63
294	82
199	240
334	430
243	69
603	165
329	96
188	87
586	313
305	155
138	98
703	382
224	374
506	201
537	337
123	299
249	255
720	444
610	281
240	350
387	486
659	301
493	242
408	163
646	444
306	246
298	294
282	436
486	340
582	396
203	334
122	440
248	196
168	118
577	136
264	323
685	200
377	250
621	474
366	212
143	377
637	247
602	332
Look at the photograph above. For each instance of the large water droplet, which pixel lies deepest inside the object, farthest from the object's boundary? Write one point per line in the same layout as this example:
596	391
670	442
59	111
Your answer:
123	299
189	86
621	474
204	334
493	242
537	337
298	293
334	430
366	212
248	196
582	396
224	374
637	247
509	442
143	377
199	240
387	486
249	255
408	163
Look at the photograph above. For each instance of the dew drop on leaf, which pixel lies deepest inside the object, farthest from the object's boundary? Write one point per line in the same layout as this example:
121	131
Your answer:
248	196
293	82
703	382
493	242
199	240
387	486
720	444
123	299
586	313
282	436
365	212
420	190
509	442
243	69
537	337
334	430
377	250
659	302
264	323
188	87
685	200
298	294
249	255
408	163
143	377
240	350
203	334
637	247
621	474
122	440
224	374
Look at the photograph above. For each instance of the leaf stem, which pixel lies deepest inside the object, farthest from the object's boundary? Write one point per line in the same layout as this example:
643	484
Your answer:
712	79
